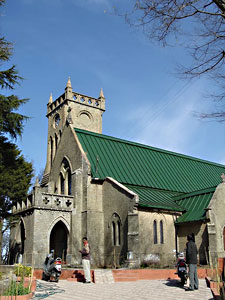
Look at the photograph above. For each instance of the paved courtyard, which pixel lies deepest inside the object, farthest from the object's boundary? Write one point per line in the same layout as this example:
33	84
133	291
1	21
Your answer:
143	289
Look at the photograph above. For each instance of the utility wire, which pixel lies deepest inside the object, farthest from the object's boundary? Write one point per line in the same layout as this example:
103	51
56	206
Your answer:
134	126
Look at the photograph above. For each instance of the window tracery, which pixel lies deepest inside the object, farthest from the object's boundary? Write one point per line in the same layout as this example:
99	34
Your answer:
65	178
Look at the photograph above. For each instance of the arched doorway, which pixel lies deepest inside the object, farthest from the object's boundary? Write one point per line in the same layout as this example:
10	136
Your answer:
17	249
58	240
22	233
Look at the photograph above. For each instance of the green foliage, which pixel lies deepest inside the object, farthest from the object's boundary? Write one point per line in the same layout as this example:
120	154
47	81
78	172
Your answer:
0	275
15	176
17	289
22	271
10	121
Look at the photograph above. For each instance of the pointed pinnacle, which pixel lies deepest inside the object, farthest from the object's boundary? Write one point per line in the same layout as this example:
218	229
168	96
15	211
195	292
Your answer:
37	182
101	94
50	99
68	85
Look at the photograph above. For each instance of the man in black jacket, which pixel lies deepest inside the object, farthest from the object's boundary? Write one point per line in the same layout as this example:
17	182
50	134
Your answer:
191	259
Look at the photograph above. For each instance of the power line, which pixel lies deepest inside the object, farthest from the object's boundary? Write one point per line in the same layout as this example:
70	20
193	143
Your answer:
133	125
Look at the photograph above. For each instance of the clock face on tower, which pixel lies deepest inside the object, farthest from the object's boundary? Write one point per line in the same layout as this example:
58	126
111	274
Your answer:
56	120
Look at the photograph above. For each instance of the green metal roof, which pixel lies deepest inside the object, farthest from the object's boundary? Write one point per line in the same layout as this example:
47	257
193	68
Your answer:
195	205
149	197
140	165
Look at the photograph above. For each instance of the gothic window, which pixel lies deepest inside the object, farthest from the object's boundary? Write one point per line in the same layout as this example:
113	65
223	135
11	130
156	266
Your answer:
113	234
51	150
56	142
155	232
116	230
57	120
65	178
62	184
161	233
69	182
118	233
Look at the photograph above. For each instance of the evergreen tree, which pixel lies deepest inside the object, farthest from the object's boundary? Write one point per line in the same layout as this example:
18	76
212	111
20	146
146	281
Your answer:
15	176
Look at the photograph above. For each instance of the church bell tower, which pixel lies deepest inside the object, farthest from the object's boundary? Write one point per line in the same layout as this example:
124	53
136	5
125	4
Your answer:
82	111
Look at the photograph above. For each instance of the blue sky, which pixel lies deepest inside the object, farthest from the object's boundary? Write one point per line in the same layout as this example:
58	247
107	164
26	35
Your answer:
145	101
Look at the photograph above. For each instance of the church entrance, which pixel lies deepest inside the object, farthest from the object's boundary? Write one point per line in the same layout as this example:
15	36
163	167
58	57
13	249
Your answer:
17	250
22	233
58	240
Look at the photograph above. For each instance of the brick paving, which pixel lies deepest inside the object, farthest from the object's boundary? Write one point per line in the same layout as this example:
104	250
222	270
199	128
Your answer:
143	290
103	276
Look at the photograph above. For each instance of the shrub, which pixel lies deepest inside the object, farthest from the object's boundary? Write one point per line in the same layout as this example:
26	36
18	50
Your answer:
17	289
22	271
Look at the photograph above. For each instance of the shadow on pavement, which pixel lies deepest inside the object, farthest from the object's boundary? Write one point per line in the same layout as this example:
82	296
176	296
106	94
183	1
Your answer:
174	282
45	289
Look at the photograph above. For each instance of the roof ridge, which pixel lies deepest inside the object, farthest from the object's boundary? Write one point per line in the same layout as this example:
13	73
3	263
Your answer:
153	188
104	136
194	193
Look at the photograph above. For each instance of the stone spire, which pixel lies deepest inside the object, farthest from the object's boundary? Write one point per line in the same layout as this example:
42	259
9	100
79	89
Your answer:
50	99
37	182
68	85
101	94
69	90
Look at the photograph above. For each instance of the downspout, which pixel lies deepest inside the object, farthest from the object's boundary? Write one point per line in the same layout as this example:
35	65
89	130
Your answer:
176	234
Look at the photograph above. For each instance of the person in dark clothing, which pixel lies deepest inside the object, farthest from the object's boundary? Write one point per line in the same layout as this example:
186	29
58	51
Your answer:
191	259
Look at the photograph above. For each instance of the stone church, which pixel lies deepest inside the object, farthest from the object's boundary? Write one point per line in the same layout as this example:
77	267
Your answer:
134	202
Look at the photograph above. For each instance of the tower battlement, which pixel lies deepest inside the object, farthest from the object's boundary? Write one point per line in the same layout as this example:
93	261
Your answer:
97	103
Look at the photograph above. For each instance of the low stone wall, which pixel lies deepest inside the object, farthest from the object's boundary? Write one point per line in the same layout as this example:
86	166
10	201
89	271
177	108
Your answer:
7	269
67	274
151	274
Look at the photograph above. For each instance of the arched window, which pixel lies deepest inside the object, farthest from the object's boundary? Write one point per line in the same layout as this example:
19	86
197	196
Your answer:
62	184
56	142
113	234
161	233
155	232
65	178
51	150
69	181
116	230
118	233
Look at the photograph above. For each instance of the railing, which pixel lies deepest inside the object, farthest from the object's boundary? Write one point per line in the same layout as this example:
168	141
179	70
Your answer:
47	201
56	201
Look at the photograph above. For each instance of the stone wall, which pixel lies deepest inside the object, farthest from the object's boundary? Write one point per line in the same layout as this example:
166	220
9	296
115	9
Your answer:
159	253
117	203
26	219
201	239
216	225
